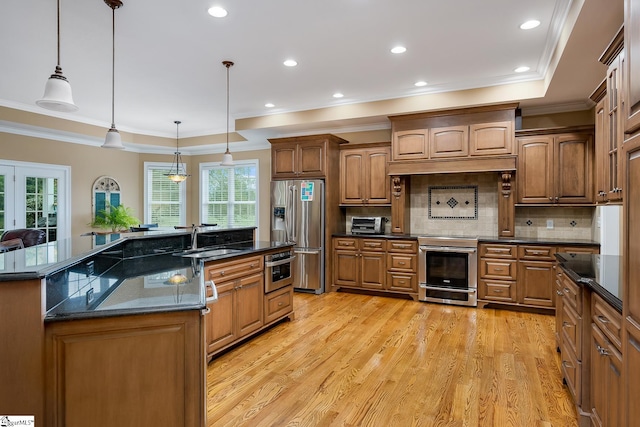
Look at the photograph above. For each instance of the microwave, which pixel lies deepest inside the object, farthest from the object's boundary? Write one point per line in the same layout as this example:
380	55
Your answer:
367	225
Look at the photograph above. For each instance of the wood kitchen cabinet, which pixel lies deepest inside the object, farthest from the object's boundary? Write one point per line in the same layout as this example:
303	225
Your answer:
376	264
609	126
631	66
555	168
303	157
239	308
364	178
493	138
410	144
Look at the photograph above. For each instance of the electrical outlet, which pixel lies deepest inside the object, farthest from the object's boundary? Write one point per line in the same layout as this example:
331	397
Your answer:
549	224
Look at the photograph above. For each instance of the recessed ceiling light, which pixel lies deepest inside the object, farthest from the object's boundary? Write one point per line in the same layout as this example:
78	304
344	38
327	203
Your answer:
269	105
521	69
290	63
530	24
420	83
338	95
217	12
399	49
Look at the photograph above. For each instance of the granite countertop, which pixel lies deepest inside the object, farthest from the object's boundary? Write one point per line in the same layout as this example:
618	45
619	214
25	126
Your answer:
486	239
103	285
600	273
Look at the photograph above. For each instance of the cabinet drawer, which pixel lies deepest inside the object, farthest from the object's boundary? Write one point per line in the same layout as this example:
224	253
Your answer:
572	330
537	253
234	269
579	250
377	245
489	250
278	303
607	319
498	269
402	262
571	371
572	294
345	243
405	246
401	282
496	290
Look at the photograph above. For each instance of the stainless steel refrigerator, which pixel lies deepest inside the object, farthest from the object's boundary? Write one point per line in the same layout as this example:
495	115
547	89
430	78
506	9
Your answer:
297	216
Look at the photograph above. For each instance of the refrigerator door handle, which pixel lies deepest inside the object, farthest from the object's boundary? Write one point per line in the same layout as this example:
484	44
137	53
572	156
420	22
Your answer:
293	235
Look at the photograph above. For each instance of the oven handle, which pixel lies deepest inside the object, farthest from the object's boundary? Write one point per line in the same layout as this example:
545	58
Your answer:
461	291
279	262
448	249
214	297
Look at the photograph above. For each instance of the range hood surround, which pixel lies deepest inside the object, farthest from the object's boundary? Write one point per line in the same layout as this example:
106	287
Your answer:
454	165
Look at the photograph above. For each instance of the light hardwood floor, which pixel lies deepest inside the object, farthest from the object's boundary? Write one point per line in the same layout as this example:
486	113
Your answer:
358	360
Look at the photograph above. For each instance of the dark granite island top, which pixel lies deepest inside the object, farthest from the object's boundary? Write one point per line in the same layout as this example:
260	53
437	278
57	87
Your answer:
600	273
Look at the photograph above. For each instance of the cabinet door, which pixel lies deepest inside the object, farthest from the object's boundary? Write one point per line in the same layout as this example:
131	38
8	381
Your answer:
283	160
601	155
491	138
632	370
632	230
220	322
372	270
352	170
376	180
311	160
249	303
448	142
559	304
615	388
536	283
402	282
410	144
632	65
598	386
345	268
615	135
573	168
535	171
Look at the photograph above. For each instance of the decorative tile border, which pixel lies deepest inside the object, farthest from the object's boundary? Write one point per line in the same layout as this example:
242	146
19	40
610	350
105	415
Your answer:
453	202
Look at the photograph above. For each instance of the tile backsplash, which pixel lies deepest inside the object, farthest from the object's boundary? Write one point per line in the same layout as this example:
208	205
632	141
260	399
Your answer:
473	209
567	223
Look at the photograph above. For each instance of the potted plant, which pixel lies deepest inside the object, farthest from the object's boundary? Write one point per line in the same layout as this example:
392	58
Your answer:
117	218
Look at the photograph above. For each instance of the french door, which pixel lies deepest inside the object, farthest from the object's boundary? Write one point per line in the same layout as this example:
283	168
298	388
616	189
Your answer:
35	196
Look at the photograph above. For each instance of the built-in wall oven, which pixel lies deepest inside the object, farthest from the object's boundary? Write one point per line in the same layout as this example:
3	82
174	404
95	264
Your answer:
278	270
448	270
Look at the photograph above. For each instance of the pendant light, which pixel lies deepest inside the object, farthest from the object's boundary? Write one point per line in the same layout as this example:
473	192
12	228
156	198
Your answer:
57	91
177	173
113	139
227	159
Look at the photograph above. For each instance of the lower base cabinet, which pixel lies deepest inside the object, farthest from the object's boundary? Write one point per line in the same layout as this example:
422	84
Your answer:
606	381
632	372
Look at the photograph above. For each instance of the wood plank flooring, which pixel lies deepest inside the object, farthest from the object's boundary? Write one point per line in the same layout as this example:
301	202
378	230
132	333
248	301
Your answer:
359	360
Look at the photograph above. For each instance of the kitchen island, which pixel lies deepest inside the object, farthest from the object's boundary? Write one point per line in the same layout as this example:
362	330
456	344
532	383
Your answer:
110	334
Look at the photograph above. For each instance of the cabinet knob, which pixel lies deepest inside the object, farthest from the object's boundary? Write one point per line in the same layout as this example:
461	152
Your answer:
551	198
559	293
557	198
603	351
565	323
222	273
280	304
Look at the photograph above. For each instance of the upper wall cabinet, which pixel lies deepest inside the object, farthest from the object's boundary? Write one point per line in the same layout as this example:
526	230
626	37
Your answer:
364	178
473	139
631	66
302	157
555	167
609	124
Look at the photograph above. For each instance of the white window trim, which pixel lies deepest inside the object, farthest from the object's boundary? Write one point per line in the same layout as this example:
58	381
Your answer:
209	165
64	200
183	190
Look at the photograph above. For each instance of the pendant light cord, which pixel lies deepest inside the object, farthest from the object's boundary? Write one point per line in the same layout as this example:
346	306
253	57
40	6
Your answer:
58	36
228	65
113	65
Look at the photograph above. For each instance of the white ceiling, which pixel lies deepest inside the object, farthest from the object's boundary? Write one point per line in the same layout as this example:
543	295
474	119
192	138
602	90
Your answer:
169	55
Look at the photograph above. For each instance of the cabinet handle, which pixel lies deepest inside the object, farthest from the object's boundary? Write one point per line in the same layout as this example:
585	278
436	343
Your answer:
498	269
551	198
401	263
603	351
565	323
556	198
253	265
603	319
401	282
280	304
222	273
559	293
497	291
566	290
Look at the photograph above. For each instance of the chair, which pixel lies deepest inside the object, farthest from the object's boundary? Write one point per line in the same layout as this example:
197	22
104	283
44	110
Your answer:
26	236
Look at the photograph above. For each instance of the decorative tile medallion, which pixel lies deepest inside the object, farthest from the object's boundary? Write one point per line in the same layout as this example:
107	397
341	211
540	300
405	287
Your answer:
453	202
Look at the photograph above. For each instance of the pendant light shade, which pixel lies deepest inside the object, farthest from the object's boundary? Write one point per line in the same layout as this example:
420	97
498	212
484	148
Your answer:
113	139
57	91
227	159
177	173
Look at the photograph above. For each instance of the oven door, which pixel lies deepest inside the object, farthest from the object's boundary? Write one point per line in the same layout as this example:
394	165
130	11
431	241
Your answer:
277	274
448	275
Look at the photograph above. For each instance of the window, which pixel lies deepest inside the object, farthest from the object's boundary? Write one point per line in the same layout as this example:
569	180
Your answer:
230	194
165	199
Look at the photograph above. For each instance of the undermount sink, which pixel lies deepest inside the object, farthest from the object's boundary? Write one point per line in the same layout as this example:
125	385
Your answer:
208	253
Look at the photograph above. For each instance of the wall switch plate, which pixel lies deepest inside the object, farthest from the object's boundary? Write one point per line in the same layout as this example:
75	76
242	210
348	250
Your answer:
550	224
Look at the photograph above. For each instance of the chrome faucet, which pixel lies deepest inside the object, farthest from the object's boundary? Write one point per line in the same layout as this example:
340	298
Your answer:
194	237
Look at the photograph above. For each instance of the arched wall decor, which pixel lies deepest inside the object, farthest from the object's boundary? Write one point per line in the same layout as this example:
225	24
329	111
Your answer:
106	190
